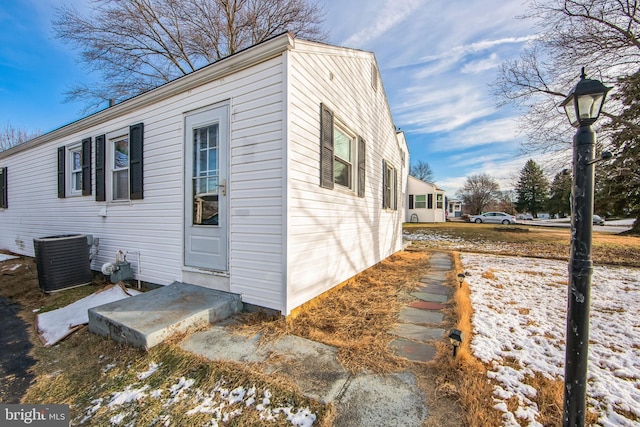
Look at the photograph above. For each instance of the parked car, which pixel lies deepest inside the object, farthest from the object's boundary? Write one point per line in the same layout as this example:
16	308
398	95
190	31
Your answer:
598	220
494	218
525	217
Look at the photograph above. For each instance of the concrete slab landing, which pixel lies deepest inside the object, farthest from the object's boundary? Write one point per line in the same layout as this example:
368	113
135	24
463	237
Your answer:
147	319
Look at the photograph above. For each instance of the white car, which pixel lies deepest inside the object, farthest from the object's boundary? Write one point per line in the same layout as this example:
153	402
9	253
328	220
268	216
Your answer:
494	218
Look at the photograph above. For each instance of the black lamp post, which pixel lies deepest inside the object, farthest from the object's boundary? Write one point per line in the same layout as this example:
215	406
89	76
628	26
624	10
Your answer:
583	106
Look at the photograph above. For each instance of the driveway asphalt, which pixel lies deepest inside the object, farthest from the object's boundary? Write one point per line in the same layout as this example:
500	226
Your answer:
15	361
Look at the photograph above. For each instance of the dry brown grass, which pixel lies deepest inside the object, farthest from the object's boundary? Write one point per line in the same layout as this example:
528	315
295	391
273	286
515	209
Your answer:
73	371
356	317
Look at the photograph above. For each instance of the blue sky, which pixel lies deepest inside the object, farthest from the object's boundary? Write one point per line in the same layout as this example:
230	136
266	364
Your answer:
436	58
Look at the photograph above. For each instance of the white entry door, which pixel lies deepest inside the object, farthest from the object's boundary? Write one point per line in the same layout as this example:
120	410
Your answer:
206	189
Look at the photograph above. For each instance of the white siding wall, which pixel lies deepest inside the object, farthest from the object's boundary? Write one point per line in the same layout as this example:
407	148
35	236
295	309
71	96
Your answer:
334	234
154	226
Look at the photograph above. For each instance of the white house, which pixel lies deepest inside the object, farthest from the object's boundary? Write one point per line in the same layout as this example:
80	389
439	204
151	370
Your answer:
275	173
454	208
425	202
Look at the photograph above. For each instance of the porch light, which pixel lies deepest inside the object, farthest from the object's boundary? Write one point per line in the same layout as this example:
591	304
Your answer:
584	102
455	337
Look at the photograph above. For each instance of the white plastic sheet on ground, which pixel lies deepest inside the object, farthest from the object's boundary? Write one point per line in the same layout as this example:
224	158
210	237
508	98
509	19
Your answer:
56	324
5	257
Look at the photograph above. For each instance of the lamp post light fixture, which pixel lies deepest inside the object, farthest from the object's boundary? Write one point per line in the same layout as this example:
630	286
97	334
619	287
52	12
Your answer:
583	106
455	337
461	277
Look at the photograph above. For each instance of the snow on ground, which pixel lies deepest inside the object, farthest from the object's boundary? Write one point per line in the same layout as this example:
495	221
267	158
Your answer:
221	403
520	309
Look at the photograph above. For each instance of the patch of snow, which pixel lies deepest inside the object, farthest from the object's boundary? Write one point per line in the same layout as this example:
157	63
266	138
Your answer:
129	394
153	367
520	315
109	367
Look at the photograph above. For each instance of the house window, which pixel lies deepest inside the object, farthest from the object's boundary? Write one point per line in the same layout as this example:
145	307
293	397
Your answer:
438	201
342	164
421	201
120	167
389	185
3	188
75	170
342	155
119	158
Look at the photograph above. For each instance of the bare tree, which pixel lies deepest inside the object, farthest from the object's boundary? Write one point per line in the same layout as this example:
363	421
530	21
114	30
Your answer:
137	45
602	35
11	136
421	170
478	192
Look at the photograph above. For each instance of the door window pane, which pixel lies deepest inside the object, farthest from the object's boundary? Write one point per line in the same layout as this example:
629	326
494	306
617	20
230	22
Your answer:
205	175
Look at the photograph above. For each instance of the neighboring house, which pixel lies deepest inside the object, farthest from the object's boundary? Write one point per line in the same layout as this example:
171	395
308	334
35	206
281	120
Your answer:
425	202
276	173
454	208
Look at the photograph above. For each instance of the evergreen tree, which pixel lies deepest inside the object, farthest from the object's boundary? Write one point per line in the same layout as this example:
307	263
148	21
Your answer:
622	173
532	189
560	195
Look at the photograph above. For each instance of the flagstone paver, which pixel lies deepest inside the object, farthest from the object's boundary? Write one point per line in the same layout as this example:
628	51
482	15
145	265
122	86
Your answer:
435	289
424	296
417	332
427	305
416	315
413	350
415	341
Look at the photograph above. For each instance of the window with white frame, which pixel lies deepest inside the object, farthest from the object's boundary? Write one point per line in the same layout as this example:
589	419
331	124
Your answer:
343	155
420	201
439	201
343	145
75	170
389	186
119	155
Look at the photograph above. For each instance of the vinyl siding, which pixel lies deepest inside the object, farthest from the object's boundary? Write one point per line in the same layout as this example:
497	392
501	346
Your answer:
334	234
154	226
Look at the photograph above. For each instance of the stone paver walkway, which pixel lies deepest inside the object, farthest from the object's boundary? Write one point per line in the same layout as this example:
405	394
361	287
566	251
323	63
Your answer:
421	320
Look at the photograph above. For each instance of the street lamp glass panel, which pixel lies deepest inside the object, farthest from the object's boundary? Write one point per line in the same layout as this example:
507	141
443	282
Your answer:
589	105
570	109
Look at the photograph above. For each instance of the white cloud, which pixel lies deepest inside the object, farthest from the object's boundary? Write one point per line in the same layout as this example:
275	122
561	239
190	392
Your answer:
429	110
481	65
391	14
479	134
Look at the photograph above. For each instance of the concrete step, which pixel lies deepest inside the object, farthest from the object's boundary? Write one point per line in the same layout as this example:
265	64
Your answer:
147	319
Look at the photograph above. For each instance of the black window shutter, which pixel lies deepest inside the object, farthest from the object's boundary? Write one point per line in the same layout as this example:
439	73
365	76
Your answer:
410	201
326	147
86	167
136	136
429	201
362	156
394	190
61	176
100	172
385	202
3	188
